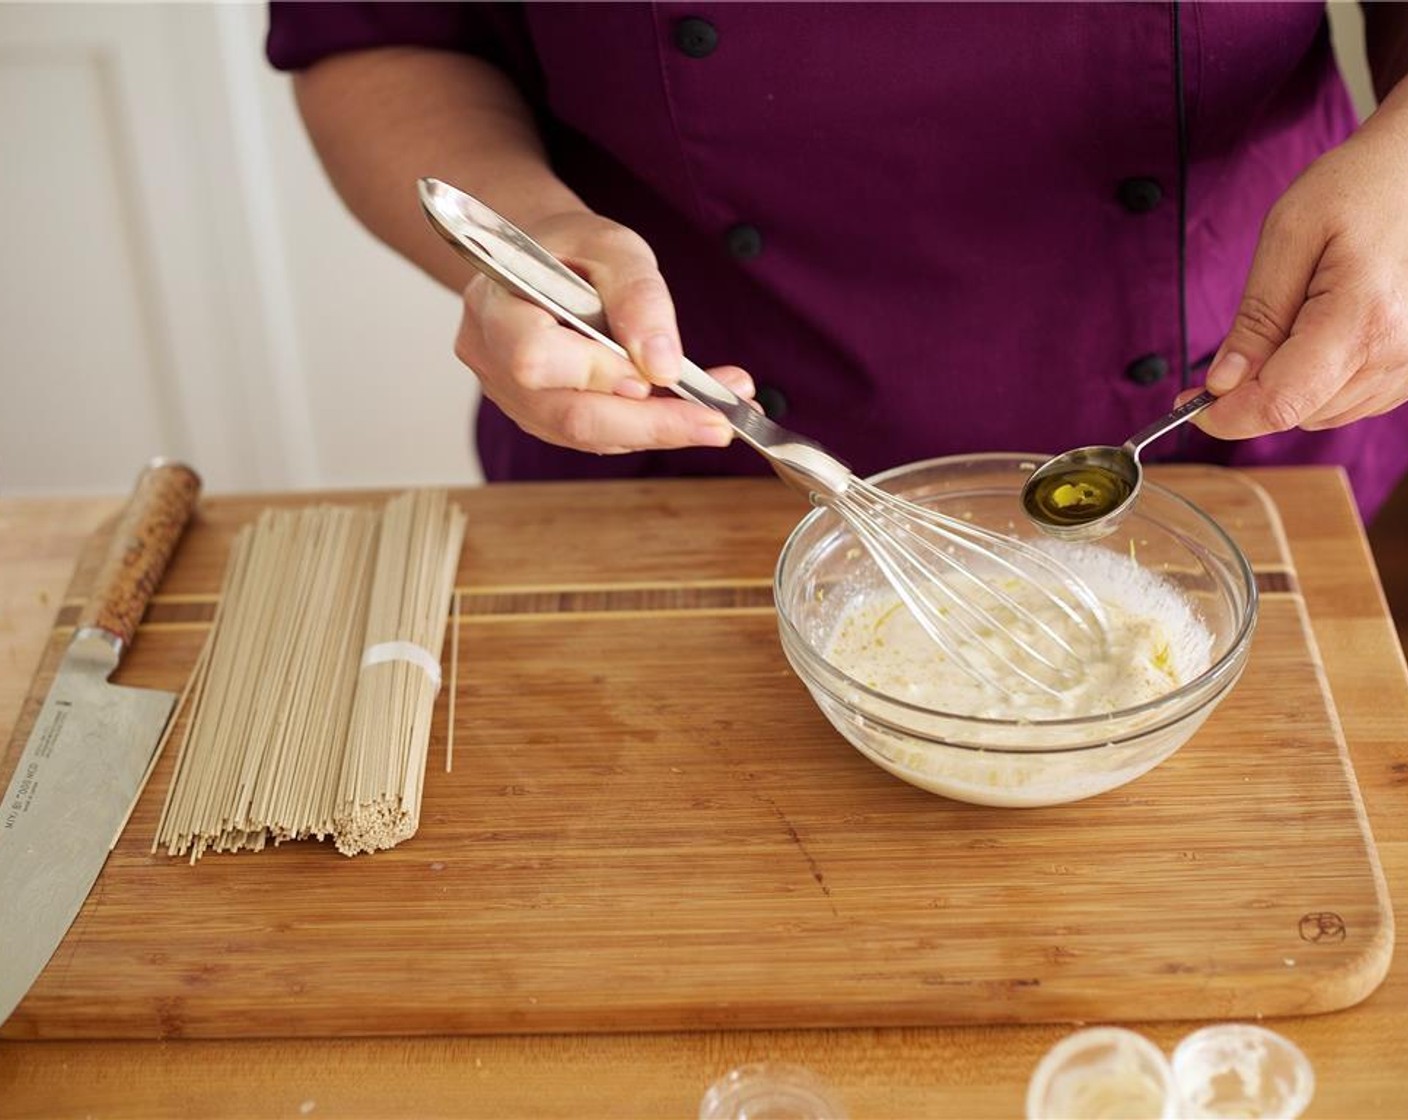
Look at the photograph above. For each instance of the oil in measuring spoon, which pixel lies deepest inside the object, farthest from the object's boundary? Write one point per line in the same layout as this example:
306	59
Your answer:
1078	495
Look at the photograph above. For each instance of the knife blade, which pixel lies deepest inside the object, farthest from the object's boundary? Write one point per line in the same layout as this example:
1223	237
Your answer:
88	750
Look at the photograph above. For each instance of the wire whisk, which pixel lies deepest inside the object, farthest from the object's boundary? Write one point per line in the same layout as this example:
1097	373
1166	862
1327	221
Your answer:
998	607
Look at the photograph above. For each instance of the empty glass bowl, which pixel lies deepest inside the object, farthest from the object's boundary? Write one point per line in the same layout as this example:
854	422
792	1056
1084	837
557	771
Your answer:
770	1091
1100	1072
1242	1069
1013	762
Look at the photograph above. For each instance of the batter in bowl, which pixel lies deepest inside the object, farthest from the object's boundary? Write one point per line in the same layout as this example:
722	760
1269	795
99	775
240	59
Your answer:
1156	643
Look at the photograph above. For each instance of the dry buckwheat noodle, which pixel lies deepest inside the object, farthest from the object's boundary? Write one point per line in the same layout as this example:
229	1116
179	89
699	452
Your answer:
312	700
454	676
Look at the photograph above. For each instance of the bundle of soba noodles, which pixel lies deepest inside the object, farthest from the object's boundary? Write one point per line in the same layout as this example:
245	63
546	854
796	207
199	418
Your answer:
310	707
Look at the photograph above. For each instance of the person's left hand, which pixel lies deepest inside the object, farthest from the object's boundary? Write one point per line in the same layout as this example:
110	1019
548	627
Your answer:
1321	336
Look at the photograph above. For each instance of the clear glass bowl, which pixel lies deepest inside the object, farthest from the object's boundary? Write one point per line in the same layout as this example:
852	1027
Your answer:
1103	1071
1242	1069
1005	762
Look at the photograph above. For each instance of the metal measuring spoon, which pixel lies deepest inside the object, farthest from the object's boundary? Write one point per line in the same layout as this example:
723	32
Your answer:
1084	494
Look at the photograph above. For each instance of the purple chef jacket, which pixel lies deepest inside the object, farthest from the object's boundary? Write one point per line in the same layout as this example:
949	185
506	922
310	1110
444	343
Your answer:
924	228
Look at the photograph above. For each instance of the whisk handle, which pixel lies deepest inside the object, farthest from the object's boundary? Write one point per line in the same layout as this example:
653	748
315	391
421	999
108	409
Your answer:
512	259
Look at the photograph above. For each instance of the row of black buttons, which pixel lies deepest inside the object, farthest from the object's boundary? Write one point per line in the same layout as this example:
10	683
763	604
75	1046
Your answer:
698	38
1148	370
744	241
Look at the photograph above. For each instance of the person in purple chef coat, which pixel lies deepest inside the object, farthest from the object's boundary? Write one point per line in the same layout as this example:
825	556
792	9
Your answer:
922	229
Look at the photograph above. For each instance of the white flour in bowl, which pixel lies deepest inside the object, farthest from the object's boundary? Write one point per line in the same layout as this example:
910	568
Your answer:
1156	644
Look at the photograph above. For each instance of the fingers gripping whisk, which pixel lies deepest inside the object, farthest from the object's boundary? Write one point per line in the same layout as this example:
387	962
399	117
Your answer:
1001	610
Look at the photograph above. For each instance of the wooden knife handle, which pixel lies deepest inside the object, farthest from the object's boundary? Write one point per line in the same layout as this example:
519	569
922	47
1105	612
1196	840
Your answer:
142	542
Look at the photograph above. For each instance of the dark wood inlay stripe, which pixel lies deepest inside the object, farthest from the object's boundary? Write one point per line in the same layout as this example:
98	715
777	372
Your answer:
599	600
720	598
1277	581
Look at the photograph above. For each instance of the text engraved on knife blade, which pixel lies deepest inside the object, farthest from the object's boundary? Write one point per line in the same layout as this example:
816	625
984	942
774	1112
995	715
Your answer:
27	783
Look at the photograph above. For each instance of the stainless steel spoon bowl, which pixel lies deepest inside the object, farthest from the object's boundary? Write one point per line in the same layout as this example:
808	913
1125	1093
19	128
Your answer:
1084	494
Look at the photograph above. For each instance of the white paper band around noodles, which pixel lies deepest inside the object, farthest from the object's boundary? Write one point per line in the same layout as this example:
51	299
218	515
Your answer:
404	651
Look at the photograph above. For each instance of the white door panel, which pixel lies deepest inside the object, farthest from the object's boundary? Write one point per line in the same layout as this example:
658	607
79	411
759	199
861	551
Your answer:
177	277
81	361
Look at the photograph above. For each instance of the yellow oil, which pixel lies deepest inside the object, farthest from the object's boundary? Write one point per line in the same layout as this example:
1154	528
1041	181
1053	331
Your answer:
1077	495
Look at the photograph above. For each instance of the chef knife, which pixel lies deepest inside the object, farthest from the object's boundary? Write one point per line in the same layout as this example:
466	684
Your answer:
88	750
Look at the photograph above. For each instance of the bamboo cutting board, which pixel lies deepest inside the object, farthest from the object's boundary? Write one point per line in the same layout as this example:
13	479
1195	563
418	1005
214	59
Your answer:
649	826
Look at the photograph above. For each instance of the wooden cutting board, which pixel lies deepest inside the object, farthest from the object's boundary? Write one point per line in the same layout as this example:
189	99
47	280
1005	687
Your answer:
648	825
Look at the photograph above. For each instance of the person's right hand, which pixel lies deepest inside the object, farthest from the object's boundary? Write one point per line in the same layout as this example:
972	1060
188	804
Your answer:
565	388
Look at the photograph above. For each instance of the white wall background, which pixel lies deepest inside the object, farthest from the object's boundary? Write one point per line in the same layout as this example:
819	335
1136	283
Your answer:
177	277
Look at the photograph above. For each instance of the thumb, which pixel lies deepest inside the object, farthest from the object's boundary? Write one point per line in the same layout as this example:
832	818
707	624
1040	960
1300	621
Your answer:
1275	290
